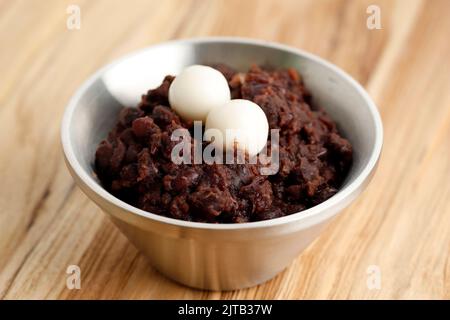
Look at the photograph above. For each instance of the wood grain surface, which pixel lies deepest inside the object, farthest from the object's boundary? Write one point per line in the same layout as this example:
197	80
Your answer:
401	223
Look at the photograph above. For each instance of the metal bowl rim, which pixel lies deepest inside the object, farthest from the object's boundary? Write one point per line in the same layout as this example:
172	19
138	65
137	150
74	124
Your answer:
299	217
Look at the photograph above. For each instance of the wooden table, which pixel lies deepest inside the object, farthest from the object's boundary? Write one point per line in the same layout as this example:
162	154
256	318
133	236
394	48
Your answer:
401	224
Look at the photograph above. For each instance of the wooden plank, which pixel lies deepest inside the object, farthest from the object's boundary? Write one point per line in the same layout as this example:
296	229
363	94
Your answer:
401	223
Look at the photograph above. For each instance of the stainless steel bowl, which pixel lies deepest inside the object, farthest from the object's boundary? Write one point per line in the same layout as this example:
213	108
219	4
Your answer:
217	256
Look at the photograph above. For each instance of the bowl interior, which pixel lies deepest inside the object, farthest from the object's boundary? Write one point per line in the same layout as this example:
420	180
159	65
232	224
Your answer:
95	107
